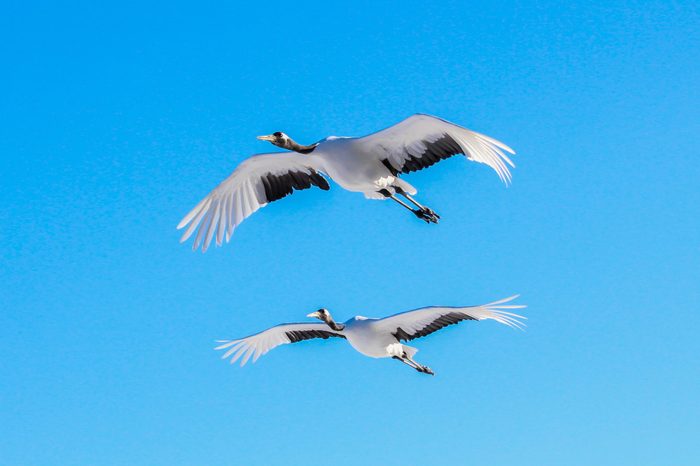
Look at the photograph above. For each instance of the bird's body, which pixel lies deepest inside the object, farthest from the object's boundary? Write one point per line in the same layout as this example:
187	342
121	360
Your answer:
371	165
346	162
365	335
372	337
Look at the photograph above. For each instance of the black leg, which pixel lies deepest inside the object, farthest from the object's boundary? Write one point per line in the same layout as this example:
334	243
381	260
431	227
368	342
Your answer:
411	363
427	214
422	212
419	367
405	361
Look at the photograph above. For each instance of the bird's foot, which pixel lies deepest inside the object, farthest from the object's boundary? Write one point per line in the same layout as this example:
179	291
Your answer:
432	212
426	370
426	214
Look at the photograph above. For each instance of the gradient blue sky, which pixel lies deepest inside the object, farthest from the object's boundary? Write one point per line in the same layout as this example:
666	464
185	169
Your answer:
117	119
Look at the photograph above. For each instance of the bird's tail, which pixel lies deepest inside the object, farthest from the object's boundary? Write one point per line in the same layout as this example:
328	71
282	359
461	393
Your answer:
406	186
497	311
390	184
398	350
410	351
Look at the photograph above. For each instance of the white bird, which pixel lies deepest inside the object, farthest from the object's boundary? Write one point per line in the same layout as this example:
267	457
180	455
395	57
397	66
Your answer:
370	165
376	338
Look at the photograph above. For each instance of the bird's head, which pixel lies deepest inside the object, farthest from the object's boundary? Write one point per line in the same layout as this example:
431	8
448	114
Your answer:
325	316
278	138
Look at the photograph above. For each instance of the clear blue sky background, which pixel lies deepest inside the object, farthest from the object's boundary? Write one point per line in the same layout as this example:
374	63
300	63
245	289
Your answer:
117	119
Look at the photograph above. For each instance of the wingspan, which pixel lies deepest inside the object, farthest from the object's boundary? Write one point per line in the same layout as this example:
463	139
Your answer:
418	323
420	141
260	343
257	181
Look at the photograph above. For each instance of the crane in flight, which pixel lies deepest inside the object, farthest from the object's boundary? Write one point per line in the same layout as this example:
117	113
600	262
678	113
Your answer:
376	338
371	165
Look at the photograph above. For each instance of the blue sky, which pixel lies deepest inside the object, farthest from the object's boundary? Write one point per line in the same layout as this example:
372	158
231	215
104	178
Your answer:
118	119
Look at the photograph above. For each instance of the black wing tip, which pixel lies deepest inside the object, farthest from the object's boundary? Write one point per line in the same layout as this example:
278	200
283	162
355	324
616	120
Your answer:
437	324
280	186
440	149
295	336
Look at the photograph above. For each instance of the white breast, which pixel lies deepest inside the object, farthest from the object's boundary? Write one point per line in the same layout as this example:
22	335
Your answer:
350	167
365	337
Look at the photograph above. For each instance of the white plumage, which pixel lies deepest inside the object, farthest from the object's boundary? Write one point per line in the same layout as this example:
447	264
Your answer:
376	338
370	165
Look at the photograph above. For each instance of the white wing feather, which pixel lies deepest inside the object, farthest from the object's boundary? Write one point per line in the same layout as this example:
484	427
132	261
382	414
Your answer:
238	197
414	321
409	137
260	343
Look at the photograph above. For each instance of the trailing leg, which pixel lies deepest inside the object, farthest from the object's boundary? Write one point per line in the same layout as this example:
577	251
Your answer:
426	213
422	212
411	363
406	361
419	367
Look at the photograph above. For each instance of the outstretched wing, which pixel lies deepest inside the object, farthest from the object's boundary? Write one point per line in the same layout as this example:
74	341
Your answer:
421	322
260	343
420	141
257	181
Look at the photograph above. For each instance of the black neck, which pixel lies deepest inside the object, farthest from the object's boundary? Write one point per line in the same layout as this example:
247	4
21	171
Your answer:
332	324
291	145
